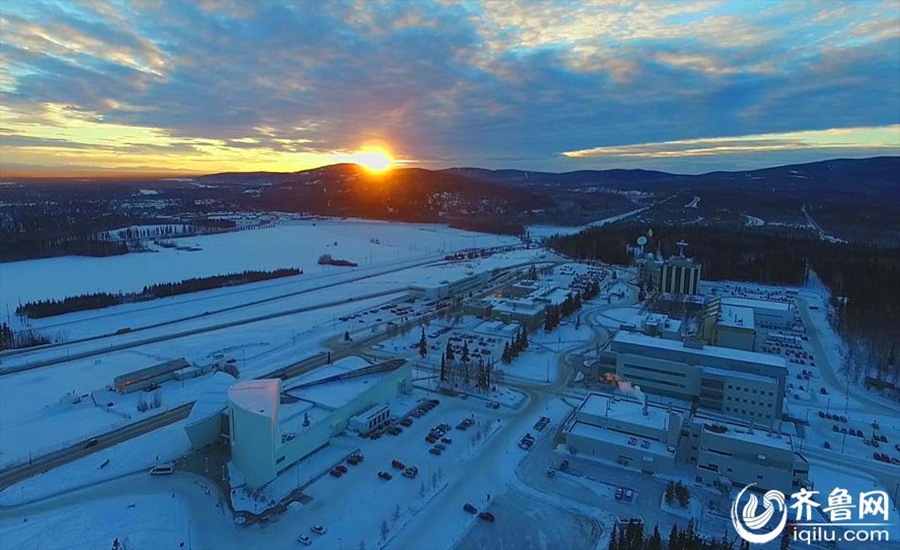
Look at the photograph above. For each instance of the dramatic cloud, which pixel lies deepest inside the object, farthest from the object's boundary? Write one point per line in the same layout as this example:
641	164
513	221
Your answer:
249	85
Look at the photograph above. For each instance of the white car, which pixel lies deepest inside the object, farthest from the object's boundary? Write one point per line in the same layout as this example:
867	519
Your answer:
318	529
303	539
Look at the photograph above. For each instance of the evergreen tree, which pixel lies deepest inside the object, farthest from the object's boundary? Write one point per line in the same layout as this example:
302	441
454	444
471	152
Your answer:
655	540
464	357
613	540
449	352
443	374
673	542
506	357
423	344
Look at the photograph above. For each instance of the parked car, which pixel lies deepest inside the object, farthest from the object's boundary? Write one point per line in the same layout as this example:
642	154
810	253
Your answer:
446	440
317	529
411	472
469	508
564	465
551	471
435	451
441	446
619	493
486	516
396	464
336	473
385	476
629	495
341	468
406	422
305	540
91	443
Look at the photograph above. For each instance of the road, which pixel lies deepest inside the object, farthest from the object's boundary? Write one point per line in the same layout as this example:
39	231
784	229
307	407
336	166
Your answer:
58	458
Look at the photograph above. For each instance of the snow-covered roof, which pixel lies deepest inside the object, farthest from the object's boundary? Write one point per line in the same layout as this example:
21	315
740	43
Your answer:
638	339
736	317
257	396
627	410
622	440
519	306
756	304
757	436
213	400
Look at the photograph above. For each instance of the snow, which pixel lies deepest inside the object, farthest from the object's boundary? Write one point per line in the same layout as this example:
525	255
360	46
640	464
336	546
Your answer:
713	351
256	396
297	244
545	231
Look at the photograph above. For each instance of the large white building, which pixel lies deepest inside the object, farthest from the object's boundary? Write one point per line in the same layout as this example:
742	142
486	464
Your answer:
738	382
766	313
654	439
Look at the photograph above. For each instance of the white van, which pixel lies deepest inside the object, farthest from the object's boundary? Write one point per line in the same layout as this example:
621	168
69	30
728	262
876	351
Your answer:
165	470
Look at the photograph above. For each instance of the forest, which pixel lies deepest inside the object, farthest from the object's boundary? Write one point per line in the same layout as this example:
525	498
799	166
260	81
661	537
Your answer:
48	308
864	280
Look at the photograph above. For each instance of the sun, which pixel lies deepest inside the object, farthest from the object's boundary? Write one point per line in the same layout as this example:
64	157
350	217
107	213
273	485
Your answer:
374	159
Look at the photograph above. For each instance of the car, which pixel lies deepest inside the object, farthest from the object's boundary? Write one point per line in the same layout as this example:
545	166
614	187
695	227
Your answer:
406	422
441	446
619	493
91	443
336	473
551	471
446	440
564	465
397	465
629	495
385	475
821	414
895	461
418	413
875	443
486	516
867	441
462	426
305	540
411	472
827	445
395	430
823	391
897	446
342	468
469	508
435	451
431	438
317	529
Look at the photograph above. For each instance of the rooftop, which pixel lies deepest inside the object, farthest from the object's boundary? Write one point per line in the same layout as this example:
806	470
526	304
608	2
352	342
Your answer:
757	304
736	317
743	433
626	410
739	374
622	440
637	339
213	400
257	396
518	306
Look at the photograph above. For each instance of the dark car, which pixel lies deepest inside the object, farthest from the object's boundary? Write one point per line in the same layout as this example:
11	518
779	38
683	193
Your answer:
336	473
469	508
406	422
486	516
385	476
91	443
398	465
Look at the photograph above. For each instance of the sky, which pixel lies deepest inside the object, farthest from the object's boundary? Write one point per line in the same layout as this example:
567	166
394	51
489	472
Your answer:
178	86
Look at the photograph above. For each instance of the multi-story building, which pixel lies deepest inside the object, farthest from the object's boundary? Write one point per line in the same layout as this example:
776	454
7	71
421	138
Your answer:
735	328
738	382
766	313
679	275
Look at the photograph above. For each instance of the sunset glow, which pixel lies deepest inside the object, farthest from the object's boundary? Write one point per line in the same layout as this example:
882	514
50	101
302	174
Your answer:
375	159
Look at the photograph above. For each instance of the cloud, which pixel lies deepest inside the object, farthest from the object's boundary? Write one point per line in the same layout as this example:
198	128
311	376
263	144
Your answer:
490	83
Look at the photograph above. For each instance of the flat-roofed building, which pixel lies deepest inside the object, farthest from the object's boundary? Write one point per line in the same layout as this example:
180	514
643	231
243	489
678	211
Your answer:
735	328
733	454
766	312
627	431
527	312
706	375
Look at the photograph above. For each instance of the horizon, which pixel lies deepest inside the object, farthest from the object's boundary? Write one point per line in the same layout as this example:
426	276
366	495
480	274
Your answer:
5	177
129	89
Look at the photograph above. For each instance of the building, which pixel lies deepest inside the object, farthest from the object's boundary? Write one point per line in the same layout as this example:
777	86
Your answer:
430	288
735	328
527	311
679	275
627	431
370	419
654	439
743	383
730	454
267	435
661	325
150	376
478	308
767	314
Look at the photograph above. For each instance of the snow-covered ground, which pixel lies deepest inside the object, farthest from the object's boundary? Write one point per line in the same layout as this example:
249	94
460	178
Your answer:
298	244
543	231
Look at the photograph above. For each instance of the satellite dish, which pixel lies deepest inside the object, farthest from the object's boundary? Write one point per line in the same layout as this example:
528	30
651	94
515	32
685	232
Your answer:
642	240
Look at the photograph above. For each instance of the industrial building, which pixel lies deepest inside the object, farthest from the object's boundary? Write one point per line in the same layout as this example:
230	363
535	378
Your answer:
679	275
157	374
526	311
742	383
767	314
735	328
653	439
631	433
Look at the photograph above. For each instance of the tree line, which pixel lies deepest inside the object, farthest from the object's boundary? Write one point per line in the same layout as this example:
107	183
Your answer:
47	308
